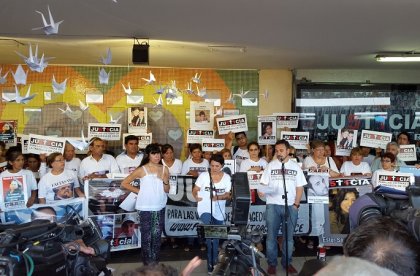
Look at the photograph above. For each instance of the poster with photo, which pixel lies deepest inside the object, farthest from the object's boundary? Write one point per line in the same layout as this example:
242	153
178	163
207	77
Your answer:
144	139
375	139
39	144
318	186
8	131
299	140
14	193
108	132
58	211
346	141
267	130
287	120
137	119
126	233
201	115
232	124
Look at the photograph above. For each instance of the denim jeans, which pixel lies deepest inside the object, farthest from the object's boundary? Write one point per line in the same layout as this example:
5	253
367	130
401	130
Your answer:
274	219
205	218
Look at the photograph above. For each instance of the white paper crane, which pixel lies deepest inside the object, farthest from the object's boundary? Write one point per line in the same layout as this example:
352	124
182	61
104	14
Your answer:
151	79
81	145
242	93
22	100
20	76
107	59
67	110
104	76
158	101
172	91
161	89
202	92
219	112
265	94
196	78
3	79
34	63
83	106
230	99
58	88
49	28
127	90
114	121
189	89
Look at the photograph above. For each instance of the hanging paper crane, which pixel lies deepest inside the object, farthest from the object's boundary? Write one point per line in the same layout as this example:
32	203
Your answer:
48	28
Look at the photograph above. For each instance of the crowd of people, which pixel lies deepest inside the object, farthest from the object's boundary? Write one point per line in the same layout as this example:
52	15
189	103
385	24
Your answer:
58	176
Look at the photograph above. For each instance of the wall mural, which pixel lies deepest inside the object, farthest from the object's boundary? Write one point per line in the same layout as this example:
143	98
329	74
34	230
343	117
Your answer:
62	100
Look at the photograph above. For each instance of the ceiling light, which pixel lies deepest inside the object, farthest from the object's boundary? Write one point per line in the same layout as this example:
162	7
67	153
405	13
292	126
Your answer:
398	57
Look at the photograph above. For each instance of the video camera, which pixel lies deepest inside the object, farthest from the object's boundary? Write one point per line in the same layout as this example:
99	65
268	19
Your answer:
42	247
238	255
379	204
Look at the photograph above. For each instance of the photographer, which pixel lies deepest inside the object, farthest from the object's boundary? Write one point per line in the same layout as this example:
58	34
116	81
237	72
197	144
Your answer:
219	183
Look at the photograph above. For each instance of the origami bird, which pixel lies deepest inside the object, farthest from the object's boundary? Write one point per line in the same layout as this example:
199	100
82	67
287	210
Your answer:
81	145
104	76
83	106
202	92
158	101
3	79
107	59
219	112
172	91
161	89
22	100
127	90
20	76
189	89
33	62
265	94
230	99
114	121
49	28
196	78
151	79
58	88
242	93
67	110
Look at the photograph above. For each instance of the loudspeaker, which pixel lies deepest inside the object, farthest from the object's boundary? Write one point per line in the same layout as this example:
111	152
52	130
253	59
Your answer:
241	198
140	54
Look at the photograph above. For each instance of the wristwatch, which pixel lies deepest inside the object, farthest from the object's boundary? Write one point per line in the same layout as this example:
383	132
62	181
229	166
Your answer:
296	205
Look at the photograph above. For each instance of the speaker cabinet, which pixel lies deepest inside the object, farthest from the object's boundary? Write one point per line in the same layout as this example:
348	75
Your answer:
241	198
141	54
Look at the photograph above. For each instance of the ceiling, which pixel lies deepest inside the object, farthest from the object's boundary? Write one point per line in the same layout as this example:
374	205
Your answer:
255	34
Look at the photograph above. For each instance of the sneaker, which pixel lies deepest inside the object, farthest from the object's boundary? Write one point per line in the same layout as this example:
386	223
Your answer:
291	269
272	270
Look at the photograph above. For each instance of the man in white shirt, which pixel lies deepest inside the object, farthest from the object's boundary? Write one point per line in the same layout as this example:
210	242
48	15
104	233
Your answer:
278	170
130	159
98	164
239	152
71	161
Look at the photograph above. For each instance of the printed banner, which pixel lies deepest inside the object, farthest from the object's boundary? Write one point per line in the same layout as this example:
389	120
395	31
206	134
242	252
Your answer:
232	123
267	130
144	139
13	193
8	133
287	120
299	140
195	136
254	179
109	132
395	180
349	181
39	144
201	115
137	119
59	211
407	153
319	171
213	144
318	186
374	139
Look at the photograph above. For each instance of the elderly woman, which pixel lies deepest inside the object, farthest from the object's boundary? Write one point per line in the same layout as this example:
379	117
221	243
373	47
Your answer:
356	166
318	160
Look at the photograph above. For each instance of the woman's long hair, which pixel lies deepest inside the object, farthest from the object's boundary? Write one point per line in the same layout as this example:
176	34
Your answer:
11	155
150	149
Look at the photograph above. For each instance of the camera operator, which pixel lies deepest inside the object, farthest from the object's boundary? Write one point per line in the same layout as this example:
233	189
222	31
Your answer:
219	183
273	176
386	242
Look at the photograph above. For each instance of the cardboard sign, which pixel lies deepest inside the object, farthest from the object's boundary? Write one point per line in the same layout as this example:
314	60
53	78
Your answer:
213	144
375	139
109	132
8	133
287	120
144	139
39	144
232	123
299	140
13	193
195	136
267	130
407	153
395	180
201	115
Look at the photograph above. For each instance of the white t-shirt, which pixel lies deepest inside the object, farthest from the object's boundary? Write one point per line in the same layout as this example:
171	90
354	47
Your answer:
73	165
239	156
272	176
248	164
329	163
348	168
107	164
190	165
176	167
127	164
204	206
57	187
31	184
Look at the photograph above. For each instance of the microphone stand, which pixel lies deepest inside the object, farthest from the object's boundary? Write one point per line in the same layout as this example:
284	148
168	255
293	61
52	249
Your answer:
286	217
211	219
